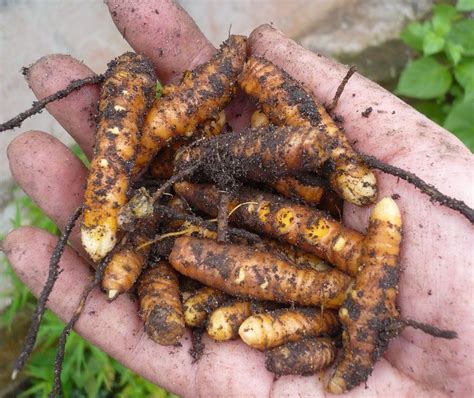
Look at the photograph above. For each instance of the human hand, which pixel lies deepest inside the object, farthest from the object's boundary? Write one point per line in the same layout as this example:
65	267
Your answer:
437	277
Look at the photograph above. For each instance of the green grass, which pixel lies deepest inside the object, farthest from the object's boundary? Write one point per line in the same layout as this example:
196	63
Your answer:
87	371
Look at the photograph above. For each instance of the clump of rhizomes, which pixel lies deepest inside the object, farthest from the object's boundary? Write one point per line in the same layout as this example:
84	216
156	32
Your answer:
232	161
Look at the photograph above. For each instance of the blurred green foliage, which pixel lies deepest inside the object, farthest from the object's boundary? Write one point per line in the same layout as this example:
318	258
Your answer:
440	81
87	371
158	89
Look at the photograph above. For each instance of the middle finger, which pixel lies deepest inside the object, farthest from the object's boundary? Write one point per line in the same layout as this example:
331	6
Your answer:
50	174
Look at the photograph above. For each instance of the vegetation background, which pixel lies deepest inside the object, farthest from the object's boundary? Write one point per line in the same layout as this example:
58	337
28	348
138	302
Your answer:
439	82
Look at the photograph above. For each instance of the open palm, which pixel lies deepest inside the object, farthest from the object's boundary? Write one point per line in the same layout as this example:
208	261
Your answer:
437	256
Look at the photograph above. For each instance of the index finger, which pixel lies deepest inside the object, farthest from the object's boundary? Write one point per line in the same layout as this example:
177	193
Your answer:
163	32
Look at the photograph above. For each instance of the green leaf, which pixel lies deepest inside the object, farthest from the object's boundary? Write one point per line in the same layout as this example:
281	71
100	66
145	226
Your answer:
464	72
453	51
456	91
414	33
460	121
41	388
465	5
77	150
462	33
424	79
158	89
443	15
469	91
432	43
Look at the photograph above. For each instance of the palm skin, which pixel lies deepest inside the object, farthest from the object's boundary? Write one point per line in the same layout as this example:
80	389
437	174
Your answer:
437	278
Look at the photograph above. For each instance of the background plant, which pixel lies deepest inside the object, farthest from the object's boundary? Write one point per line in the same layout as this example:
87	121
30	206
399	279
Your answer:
440	81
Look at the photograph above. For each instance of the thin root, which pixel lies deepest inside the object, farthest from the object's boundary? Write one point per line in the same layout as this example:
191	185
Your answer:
175	178
168	235
38	106
223	218
197	346
395	328
428	189
340	89
58	362
43	298
241	233
240	205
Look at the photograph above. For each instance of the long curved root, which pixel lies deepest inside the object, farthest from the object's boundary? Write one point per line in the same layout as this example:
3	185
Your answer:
245	272
370	306
201	95
125	96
